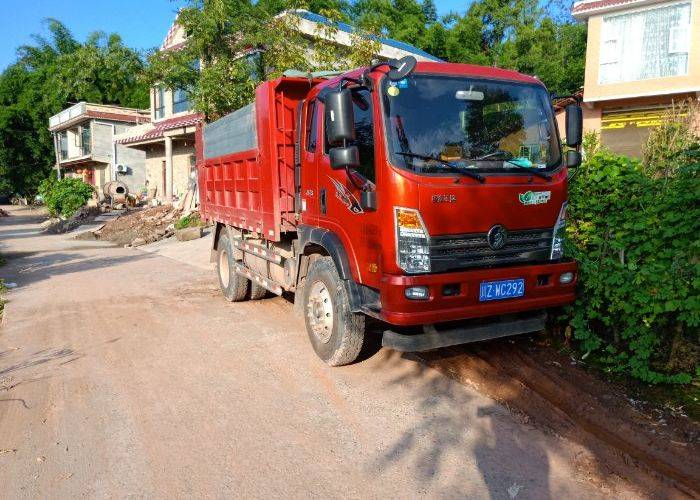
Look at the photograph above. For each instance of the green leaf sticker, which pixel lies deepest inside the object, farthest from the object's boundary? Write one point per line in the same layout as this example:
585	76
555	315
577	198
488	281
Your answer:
534	197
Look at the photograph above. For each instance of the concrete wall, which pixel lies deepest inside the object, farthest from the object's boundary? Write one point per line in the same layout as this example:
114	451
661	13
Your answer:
101	134
654	86
183	164
134	160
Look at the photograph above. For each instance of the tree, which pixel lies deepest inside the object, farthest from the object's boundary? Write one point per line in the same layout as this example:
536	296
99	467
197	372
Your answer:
238	44
48	76
526	35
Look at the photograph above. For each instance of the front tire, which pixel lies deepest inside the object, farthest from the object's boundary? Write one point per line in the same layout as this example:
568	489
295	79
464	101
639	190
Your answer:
233	286
335	332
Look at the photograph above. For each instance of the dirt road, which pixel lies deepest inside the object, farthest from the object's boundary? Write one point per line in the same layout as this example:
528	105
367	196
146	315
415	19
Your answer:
123	373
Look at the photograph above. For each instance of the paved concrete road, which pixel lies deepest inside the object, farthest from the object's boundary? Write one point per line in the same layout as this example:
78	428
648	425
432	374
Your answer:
123	373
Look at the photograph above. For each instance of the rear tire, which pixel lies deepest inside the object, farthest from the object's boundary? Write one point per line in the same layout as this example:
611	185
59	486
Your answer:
335	332
233	286
257	292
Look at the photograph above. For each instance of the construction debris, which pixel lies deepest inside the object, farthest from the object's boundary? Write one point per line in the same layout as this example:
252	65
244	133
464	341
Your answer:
189	233
141	226
57	225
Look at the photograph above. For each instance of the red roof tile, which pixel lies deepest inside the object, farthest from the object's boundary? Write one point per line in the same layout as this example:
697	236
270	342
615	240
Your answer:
160	127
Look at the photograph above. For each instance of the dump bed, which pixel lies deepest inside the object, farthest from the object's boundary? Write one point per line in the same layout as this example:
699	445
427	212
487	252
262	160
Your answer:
245	161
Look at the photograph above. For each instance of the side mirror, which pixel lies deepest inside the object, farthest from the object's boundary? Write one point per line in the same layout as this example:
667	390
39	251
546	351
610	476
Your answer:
344	157
573	158
574	125
402	68
340	122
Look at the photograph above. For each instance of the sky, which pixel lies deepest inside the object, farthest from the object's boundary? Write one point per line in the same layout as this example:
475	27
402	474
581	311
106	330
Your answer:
142	24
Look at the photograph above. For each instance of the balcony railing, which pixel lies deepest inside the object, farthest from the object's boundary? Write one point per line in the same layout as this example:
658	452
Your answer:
67	114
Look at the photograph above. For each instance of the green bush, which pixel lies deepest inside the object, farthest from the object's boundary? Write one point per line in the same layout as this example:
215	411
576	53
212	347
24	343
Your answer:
676	133
66	196
191	220
636	240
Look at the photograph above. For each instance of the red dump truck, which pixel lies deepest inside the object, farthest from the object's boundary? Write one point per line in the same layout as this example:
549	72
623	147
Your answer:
430	196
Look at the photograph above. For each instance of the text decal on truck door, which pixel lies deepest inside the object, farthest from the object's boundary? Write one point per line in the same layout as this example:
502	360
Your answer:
346	197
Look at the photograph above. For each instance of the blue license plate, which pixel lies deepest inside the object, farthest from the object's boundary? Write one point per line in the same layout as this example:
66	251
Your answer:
503	289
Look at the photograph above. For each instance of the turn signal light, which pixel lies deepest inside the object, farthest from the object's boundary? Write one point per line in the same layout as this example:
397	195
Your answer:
412	248
408	219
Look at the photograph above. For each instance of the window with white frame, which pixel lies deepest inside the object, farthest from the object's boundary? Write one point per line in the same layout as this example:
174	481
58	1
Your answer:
651	43
159	104
181	101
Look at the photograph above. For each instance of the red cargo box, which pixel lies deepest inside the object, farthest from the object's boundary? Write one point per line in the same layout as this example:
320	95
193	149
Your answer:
245	161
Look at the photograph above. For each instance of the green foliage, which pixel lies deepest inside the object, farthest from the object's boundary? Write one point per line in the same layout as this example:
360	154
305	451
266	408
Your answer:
49	76
240	44
191	220
66	196
635	238
3	290
514	34
676	133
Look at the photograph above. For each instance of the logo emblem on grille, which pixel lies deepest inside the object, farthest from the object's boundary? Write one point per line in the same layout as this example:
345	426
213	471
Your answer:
496	237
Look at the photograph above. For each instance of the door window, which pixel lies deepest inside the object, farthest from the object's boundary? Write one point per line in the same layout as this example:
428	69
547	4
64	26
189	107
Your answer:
364	132
311	125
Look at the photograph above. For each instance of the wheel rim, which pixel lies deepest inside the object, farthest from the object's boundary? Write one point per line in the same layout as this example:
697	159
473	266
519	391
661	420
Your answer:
224	272
320	311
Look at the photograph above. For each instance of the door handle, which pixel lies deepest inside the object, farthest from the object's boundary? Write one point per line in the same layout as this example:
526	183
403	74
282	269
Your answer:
322	196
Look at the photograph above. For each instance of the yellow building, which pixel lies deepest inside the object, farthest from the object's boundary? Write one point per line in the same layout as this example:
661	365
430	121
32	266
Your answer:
642	56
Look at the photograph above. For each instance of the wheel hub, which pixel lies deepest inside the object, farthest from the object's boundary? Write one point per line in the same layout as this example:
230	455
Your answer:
320	311
224	273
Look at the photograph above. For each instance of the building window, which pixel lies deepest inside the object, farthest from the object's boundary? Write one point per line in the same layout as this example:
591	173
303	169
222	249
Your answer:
652	43
85	145
63	144
159	102
181	101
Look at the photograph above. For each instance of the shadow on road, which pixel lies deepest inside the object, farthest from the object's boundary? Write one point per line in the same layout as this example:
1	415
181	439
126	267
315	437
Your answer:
37	267
455	427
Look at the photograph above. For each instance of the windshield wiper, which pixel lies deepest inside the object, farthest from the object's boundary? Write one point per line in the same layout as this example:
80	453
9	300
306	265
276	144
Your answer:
462	170
495	157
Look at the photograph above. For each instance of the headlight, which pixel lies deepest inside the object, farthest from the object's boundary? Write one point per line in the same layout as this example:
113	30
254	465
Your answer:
558	235
412	250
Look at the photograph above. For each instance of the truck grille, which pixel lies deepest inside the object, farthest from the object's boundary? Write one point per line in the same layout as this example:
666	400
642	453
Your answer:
448	253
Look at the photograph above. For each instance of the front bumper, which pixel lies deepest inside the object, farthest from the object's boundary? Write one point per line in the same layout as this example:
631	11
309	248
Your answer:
542	290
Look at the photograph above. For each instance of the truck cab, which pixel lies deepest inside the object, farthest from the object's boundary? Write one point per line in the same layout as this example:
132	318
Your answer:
433	195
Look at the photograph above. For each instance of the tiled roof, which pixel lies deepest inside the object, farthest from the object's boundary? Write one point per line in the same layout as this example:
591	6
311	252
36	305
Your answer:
318	18
168	44
157	129
171	33
561	103
580	8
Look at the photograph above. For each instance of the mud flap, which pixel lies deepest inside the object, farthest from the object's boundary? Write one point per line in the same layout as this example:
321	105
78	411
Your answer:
434	338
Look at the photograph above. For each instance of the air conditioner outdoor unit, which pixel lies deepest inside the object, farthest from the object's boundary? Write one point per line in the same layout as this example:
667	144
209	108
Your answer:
122	169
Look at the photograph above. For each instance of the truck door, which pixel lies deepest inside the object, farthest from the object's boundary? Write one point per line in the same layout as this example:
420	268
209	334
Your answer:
309	163
340	192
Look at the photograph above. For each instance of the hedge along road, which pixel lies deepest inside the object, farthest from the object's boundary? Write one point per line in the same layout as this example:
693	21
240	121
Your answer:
124	373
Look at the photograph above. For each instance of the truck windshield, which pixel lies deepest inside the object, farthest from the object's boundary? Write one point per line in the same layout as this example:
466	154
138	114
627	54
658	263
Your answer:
443	124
